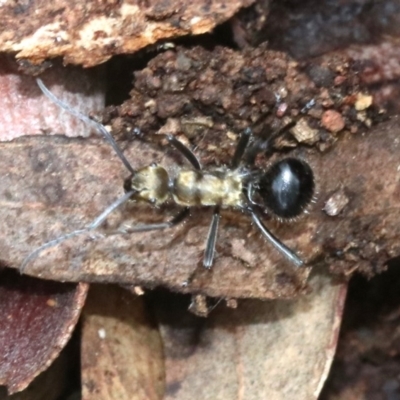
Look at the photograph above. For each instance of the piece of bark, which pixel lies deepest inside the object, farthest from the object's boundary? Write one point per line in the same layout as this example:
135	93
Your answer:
77	179
274	349
37	320
121	354
90	33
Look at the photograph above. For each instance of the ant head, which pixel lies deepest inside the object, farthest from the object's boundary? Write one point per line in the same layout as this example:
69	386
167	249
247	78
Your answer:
287	187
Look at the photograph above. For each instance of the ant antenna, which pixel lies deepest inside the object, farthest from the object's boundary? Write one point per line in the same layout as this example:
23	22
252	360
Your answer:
103	216
99	127
93	225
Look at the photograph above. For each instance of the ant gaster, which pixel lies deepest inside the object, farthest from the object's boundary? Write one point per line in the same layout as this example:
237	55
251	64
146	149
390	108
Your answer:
284	189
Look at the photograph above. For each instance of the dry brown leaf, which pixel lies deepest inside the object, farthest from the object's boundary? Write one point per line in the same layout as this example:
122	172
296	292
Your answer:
61	184
122	355
37	319
27	112
262	350
48	385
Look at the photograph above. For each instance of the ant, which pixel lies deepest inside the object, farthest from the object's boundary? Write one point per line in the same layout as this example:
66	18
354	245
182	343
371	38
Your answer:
283	190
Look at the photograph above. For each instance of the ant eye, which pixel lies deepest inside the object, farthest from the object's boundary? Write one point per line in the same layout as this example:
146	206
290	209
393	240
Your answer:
287	187
128	184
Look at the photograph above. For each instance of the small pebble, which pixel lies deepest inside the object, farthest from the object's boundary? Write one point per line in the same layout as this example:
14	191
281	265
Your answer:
332	121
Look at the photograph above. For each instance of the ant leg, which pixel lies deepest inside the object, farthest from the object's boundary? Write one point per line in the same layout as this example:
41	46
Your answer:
264	146
93	225
183	214
211	239
241	147
284	250
213	231
185	151
100	127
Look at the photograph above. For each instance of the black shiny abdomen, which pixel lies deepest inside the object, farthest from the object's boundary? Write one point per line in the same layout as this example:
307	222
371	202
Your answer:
287	187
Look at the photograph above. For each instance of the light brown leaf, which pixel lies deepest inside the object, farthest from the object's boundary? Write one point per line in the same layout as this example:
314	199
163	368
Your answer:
274	350
122	355
25	110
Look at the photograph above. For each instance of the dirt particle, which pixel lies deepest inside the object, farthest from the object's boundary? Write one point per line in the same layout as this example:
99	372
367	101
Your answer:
363	102
332	121
321	76
304	133
196	125
336	203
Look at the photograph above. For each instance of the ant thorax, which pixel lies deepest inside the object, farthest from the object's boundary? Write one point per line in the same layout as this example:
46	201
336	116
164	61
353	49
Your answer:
218	186
150	184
